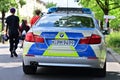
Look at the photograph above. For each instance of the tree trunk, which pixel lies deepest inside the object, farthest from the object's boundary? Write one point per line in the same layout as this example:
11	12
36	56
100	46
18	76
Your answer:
3	18
101	25
106	11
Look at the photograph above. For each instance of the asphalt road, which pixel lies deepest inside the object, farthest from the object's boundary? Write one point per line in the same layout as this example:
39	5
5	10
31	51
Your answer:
11	69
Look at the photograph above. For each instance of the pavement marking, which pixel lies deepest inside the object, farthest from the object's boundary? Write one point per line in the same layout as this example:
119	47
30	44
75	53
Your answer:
113	66
10	65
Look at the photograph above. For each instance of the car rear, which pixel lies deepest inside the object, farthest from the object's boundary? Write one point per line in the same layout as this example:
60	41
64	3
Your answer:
66	43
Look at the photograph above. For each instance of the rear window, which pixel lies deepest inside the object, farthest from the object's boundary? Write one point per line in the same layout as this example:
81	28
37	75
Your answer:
66	21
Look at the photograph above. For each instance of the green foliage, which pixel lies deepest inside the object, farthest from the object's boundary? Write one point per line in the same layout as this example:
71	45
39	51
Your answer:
94	7
101	7
22	2
113	40
50	4
7	4
115	23
116	49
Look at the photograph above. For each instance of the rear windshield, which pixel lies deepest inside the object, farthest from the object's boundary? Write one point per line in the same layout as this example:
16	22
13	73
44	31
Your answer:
66	21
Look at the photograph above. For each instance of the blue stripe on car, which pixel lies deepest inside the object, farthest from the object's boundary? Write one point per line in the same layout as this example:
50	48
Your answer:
38	49
82	49
85	51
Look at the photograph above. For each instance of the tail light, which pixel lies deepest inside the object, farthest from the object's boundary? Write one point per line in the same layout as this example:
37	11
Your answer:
30	37
93	39
30	55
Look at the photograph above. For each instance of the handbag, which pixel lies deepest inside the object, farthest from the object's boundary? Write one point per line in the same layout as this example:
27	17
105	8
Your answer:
5	37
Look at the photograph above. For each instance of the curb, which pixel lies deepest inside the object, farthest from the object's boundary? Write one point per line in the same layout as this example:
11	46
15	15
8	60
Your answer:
114	54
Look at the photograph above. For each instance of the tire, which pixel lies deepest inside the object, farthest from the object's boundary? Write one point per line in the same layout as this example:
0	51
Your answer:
27	69
102	72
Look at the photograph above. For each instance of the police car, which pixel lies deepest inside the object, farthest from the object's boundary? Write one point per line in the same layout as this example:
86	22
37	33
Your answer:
65	37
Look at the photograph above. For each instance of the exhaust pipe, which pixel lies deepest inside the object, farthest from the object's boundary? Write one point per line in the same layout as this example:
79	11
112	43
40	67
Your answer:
33	63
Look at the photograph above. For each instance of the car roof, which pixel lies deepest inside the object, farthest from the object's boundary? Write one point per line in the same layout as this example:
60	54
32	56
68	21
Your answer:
69	10
62	14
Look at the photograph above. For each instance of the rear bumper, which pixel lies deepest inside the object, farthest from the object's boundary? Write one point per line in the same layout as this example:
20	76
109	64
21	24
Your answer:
63	61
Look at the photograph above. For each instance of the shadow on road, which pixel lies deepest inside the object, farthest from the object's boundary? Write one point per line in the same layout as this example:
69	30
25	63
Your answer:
5	58
55	73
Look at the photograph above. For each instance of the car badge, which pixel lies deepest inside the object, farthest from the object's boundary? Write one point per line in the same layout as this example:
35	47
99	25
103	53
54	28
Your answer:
61	35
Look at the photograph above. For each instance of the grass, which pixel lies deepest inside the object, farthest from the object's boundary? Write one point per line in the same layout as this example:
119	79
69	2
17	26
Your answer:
113	41
116	50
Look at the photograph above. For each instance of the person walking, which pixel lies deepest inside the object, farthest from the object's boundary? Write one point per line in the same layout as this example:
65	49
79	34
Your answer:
36	17
24	28
12	30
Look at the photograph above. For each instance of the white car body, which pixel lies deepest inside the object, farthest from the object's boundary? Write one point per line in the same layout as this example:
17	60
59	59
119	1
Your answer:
70	46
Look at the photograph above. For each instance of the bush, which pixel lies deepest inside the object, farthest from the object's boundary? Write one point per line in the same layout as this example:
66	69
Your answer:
113	40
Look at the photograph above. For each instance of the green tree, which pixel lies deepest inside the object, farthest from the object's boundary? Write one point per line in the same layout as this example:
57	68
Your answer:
50	4
101	7
6	5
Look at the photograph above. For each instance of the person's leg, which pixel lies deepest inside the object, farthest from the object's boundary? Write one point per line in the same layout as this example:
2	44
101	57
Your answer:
11	45
16	41
2	39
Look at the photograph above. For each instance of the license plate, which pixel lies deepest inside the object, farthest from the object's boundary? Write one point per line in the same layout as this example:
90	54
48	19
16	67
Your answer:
63	42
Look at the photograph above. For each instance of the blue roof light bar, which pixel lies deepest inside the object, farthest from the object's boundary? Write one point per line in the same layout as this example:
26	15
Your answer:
86	11
52	9
83	10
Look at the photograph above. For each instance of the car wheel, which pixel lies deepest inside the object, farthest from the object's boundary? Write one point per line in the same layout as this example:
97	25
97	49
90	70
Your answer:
27	69
102	72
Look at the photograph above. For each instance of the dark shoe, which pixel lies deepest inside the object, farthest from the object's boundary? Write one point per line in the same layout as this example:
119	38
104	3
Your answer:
11	54
15	54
